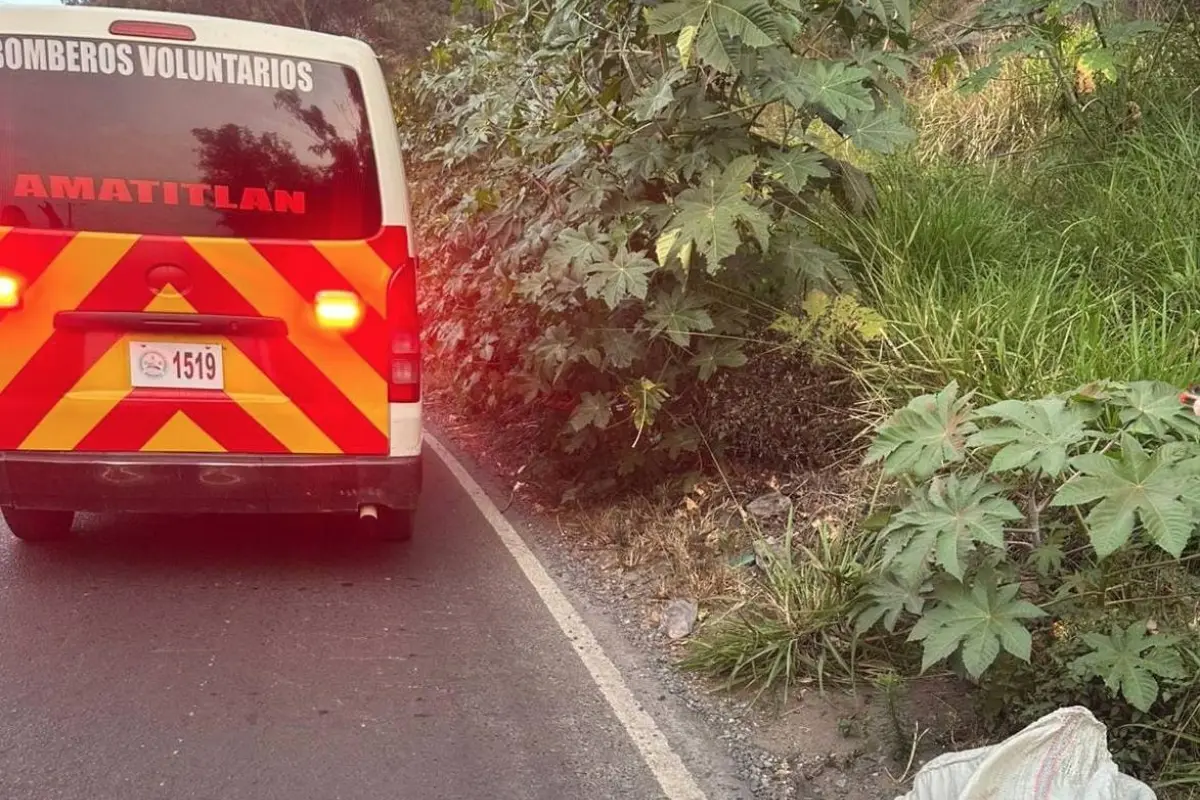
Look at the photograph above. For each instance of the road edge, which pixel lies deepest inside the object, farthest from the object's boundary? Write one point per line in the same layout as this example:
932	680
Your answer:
664	763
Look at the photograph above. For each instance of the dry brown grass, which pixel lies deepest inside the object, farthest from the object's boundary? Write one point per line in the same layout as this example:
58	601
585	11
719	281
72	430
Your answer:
1014	115
667	552
694	548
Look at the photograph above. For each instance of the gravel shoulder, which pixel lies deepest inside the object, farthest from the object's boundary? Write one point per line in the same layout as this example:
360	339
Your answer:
811	746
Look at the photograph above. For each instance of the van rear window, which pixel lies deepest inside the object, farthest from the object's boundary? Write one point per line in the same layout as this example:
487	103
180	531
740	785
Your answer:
174	140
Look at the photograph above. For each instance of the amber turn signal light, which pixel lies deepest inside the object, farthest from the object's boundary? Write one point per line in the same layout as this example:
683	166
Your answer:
10	292
338	311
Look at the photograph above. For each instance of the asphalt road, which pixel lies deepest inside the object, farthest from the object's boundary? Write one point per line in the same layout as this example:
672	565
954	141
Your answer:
281	659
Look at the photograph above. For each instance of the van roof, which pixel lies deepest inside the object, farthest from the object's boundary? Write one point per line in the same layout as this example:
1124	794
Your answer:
215	32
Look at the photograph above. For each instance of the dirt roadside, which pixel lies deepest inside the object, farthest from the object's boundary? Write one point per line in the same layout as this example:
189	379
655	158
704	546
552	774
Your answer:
634	557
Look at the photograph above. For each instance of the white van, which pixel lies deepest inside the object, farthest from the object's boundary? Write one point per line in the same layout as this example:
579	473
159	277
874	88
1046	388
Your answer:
207	275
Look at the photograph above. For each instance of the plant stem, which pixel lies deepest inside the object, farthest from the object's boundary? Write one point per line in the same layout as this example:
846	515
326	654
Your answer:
1035	512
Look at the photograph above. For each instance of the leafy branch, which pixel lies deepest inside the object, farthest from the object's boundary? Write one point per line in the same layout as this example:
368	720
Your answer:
1097	466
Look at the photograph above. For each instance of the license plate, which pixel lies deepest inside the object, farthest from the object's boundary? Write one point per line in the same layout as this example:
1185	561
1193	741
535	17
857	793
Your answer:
163	365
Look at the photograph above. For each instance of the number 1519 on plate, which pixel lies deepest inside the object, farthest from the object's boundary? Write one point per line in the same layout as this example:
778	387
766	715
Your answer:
166	365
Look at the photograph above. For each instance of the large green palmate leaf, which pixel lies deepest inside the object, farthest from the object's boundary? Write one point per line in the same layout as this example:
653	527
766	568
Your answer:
838	87
943	523
715	354
708	217
675	16
924	436
1128	660
624	275
642	157
1153	408
717	50
804	263
656	96
595	409
576	248
751	21
796	166
678	315
1038	437
1119	33
621	348
552	350
888	598
715	31
979	622
1048	557
879	131
1134	486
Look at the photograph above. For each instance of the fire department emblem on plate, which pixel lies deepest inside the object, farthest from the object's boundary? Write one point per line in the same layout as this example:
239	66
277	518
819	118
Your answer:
154	364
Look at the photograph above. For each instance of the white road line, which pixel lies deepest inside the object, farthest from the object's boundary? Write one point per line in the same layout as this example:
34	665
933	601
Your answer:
676	782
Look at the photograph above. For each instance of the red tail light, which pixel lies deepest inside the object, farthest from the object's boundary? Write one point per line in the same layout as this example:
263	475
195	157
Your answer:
152	30
404	332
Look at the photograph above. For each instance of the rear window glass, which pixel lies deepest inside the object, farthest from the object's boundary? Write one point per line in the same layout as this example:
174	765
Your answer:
127	137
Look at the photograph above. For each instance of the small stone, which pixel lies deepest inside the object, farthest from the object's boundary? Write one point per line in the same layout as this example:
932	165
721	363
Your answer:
679	618
769	505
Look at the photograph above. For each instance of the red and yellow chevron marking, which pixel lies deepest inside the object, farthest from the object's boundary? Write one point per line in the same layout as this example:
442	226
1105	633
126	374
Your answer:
310	392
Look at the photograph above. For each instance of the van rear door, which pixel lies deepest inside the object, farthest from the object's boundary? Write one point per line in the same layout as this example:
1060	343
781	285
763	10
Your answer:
174	216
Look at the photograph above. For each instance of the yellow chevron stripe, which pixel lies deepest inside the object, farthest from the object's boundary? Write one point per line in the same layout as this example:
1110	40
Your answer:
88	402
251	389
71	276
270	408
181	435
362	267
96	393
170	301
253	277
107	383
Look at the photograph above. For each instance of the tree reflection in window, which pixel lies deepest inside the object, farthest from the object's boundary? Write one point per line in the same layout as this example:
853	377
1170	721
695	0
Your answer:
339	181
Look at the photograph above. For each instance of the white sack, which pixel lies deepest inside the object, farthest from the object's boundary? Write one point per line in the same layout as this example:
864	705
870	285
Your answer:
1062	756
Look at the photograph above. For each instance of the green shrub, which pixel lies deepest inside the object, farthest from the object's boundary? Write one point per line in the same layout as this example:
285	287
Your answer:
1044	549
604	206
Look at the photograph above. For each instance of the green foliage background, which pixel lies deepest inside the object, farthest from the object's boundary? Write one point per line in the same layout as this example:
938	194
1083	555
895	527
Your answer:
608	201
621	199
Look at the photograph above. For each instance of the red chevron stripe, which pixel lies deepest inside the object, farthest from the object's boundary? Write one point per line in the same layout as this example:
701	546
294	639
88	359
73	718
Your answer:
233	427
132	422
29	252
127	427
44	379
63	359
297	377
391	245
309	272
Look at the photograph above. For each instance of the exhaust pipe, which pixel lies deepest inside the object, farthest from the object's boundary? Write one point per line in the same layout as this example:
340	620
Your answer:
368	512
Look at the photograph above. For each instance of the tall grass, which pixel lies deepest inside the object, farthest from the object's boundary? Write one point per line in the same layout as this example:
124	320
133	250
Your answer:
1020	280
1017	112
799	621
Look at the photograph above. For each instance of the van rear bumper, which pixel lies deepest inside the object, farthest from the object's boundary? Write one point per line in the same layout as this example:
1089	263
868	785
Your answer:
182	483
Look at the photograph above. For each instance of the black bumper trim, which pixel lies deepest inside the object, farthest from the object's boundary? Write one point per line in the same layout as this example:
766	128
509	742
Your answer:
206	483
